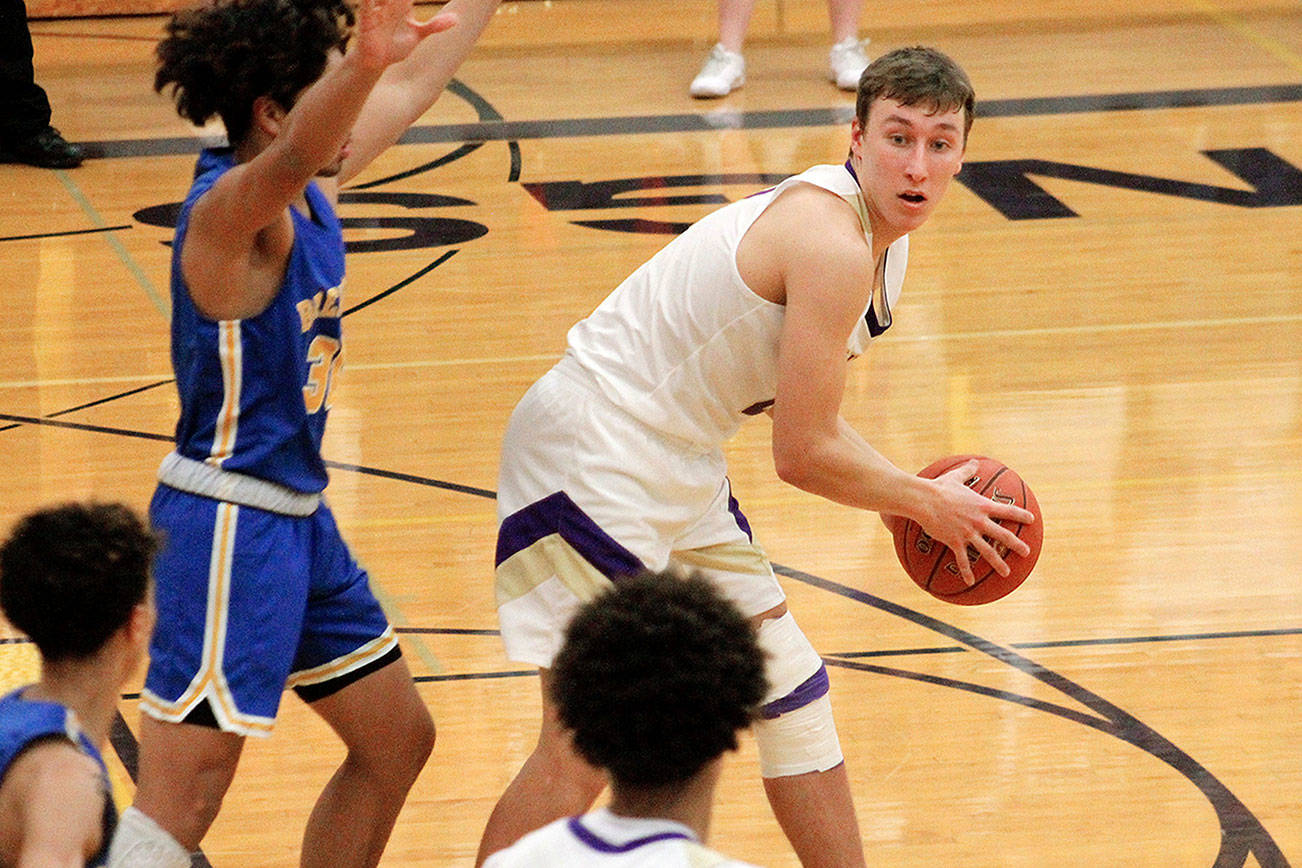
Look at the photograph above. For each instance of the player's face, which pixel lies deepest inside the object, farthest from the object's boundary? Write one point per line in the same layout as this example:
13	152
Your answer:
905	157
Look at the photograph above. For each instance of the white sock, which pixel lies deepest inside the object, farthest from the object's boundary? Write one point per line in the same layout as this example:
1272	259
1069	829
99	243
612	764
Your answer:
139	842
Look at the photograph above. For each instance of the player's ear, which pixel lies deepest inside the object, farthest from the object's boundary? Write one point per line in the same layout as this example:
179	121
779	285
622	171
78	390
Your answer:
268	115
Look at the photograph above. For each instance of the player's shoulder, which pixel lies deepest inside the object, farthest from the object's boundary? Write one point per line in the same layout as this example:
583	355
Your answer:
53	757
816	215
700	856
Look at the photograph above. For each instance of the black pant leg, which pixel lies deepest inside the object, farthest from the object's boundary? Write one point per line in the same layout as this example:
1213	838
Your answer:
24	107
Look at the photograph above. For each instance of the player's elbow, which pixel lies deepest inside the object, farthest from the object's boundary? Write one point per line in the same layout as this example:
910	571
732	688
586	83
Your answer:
794	464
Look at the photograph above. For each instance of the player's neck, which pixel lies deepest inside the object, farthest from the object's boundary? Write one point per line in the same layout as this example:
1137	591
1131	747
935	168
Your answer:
689	803
87	687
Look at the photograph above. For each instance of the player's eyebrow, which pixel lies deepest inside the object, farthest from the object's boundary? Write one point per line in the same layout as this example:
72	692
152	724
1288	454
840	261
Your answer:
900	119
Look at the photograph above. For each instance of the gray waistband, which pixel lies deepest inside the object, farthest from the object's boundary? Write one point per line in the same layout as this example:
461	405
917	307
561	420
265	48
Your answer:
196	477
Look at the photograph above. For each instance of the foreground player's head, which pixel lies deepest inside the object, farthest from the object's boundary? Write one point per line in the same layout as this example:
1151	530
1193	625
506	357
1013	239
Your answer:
917	76
220	58
656	677
72	577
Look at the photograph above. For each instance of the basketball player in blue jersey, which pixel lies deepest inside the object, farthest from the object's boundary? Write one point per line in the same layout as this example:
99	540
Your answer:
654	680
613	463
76	580
256	589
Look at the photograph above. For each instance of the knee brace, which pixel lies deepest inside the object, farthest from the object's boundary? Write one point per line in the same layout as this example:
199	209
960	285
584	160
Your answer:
795	733
141	843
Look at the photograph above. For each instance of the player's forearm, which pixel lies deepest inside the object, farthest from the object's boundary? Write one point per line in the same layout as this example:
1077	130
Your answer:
844	468
322	119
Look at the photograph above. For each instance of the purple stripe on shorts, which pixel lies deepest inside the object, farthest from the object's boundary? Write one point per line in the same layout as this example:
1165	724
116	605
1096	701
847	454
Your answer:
813	687
557	513
603	846
735	508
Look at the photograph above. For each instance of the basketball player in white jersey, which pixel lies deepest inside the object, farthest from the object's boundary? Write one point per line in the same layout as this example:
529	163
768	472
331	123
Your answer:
612	462
656	677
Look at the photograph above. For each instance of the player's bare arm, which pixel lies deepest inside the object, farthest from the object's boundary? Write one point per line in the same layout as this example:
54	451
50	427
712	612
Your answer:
827	275
408	88
240	231
60	804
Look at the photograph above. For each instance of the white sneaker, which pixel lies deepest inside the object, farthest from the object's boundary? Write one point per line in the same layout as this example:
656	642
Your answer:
846	62
724	72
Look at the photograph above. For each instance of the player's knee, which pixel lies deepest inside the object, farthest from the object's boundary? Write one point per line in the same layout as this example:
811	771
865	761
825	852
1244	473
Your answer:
799	741
414	744
796	733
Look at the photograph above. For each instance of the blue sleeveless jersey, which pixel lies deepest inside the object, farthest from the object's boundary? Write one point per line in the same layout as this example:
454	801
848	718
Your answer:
23	722
255	392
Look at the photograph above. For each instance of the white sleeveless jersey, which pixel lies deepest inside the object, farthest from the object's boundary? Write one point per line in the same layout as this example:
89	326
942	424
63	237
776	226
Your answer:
604	840
684	346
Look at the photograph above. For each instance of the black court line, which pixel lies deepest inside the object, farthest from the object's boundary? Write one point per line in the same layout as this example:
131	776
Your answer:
1080	643
400	284
407	477
99	401
474	676
111	37
1242	834
81	426
447	631
515	131
41	235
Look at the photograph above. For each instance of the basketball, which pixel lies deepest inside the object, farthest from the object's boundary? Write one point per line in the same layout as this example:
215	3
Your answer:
931	565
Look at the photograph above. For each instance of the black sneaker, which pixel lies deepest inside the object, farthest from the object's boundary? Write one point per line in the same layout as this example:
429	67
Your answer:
47	149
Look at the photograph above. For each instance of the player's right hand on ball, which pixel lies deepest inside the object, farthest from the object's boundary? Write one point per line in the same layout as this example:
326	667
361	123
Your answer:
966	521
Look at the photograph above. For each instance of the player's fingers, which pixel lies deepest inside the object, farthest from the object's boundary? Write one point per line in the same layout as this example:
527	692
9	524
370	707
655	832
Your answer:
964	471
1009	539
964	564
987	552
1009	512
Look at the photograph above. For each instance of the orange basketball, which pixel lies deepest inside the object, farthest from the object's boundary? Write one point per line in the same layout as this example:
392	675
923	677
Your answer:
931	564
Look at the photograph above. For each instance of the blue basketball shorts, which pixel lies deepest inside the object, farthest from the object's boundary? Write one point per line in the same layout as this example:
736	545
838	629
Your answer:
251	602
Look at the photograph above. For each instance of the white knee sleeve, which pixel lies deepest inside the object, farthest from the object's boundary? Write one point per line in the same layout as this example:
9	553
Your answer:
796	734
139	842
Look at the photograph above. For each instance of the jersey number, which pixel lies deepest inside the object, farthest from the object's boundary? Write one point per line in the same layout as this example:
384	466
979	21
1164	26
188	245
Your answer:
324	358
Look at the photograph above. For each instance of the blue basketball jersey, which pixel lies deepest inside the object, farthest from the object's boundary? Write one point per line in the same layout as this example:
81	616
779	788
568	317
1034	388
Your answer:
23	722
255	392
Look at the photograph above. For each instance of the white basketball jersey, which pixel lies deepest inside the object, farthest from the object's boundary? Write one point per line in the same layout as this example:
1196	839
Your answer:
686	347
610	841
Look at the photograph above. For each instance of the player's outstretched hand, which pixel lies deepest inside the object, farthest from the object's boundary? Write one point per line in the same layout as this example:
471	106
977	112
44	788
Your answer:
387	32
966	520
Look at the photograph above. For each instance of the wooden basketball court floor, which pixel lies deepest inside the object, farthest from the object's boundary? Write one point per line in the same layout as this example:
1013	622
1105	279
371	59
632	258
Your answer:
1110	300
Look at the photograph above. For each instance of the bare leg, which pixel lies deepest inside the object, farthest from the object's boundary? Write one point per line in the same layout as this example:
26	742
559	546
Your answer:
389	735
816	811
184	773
844	17
734	18
554	782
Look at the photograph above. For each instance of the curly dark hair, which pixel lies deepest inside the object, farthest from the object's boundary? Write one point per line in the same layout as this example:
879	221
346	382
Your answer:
655	678
917	76
71	575
221	56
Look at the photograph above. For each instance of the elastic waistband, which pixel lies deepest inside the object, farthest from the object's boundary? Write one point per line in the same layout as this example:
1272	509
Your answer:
205	480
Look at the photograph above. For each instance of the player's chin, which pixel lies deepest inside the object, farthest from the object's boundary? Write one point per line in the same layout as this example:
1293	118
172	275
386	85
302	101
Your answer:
909	215
332	170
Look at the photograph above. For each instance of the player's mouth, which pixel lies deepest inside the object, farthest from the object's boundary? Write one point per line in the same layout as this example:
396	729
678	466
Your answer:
913	197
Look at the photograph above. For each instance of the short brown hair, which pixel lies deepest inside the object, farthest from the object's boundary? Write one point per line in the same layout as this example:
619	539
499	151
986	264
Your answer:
917	76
